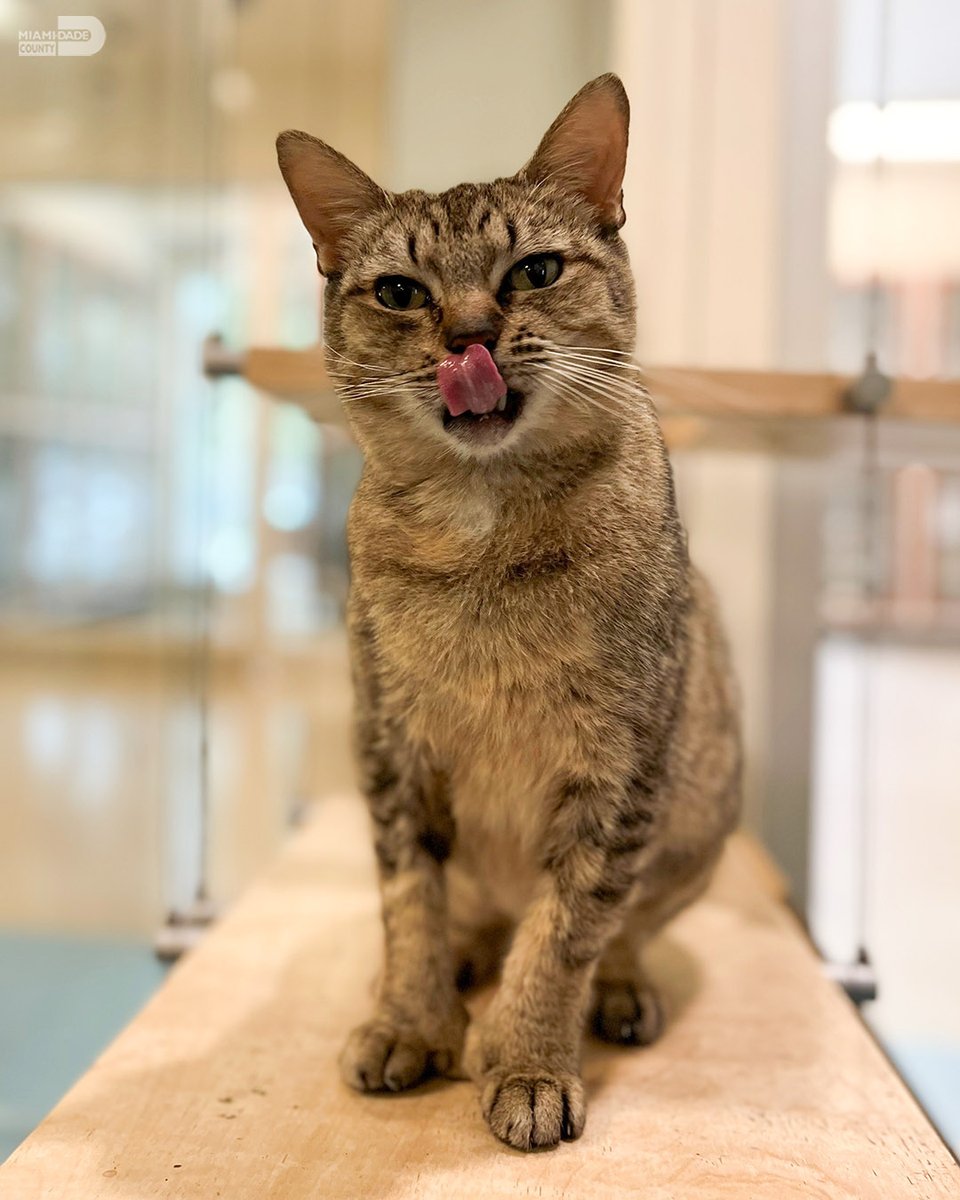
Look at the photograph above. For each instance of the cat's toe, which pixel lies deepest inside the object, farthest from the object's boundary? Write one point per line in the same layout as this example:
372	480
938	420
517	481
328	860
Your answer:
533	1110
627	1013
379	1057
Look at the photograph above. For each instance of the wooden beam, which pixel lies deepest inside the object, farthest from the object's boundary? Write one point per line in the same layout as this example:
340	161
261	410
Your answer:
787	394
300	376
292	373
766	1084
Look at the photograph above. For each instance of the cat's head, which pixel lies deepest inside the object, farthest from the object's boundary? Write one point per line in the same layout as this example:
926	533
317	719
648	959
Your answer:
518	290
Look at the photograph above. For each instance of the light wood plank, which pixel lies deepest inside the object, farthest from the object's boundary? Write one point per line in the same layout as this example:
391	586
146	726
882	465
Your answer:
286	372
788	394
300	375
765	1086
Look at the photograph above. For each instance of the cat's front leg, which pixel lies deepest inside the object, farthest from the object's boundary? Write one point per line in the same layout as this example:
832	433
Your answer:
524	1053
419	1022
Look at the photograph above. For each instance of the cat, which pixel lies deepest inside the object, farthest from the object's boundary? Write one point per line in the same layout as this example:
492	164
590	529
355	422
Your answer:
546	719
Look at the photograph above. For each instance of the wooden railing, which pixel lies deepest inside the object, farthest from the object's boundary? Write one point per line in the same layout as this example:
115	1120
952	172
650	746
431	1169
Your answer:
300	375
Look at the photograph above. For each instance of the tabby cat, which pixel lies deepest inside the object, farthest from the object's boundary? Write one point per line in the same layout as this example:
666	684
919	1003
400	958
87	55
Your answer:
545	715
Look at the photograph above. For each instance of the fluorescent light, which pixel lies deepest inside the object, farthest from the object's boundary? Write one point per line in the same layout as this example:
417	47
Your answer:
905	131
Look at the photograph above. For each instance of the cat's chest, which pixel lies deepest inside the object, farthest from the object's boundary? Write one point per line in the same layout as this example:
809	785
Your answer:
503	756
480	669
487	671
478	600
475	649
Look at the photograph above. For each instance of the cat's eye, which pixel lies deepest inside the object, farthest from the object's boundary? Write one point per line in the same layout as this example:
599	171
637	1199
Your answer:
399	292
537	271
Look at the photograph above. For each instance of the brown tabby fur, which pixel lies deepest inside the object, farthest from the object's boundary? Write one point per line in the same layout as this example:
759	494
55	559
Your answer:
545	715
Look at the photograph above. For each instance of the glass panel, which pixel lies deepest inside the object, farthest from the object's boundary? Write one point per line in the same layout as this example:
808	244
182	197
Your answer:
106	259
888	610
172	559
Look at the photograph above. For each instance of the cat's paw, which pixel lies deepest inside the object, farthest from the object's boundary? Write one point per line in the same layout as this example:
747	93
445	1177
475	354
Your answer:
383	1055
530	1109
627	1013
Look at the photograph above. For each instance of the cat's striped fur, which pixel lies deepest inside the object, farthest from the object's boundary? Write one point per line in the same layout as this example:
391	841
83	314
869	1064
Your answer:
545	715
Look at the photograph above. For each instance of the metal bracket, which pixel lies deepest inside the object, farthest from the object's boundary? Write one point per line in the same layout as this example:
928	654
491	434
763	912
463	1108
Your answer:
871	391
858	979
183	929
218	361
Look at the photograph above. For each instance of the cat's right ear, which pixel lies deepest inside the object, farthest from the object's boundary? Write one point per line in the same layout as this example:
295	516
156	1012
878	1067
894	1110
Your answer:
331	194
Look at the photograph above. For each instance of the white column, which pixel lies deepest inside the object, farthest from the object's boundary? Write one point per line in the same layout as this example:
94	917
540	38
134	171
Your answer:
703	195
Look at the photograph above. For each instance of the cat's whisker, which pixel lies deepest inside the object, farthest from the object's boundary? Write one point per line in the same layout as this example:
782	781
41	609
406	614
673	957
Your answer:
383	378
416	372
373	396
605	370
350	396
611	372
596	353
581	389
558	353
589	385
617	373
578	398
328	349
598	382
585	400
381	386
592	351
595	360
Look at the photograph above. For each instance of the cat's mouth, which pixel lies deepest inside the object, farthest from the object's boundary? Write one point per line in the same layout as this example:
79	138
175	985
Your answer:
486	429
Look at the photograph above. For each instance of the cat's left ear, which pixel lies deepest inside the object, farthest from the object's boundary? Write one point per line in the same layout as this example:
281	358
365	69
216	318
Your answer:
585	150
331	194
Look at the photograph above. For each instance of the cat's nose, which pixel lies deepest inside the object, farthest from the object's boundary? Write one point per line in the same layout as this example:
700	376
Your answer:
458	337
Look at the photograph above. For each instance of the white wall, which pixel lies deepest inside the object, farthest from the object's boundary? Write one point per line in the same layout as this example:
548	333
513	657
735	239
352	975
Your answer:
703	204
473	86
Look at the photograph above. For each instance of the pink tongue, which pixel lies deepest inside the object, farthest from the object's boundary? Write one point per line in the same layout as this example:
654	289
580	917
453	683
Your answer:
470	382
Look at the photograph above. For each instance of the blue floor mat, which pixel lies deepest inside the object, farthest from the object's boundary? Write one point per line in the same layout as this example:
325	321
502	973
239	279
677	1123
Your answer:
932	1071
62	1000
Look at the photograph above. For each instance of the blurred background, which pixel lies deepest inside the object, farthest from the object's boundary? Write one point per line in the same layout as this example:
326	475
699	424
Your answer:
173	681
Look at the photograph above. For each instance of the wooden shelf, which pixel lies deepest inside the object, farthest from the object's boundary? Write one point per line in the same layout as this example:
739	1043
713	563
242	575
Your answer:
300	375
766	1084
792	394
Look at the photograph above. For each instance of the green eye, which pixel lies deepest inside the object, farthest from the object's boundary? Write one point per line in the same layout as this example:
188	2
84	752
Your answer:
537	271
397	291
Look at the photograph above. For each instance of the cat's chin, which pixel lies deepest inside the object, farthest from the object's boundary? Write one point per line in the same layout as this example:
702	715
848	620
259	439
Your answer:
486	431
